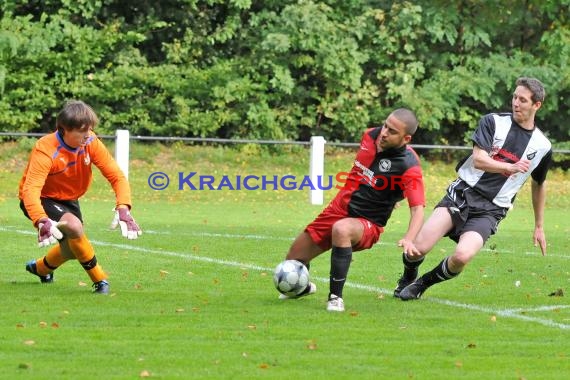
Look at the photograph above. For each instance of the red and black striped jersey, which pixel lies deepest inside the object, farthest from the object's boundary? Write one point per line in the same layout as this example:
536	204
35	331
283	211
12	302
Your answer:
378	180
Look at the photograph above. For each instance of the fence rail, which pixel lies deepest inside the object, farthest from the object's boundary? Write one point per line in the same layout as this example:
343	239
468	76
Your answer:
252	141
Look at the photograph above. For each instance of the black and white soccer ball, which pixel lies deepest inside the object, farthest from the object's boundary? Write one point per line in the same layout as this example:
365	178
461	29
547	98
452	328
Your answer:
291	277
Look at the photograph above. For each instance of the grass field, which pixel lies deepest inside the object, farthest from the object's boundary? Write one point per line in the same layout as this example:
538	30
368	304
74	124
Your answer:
193	297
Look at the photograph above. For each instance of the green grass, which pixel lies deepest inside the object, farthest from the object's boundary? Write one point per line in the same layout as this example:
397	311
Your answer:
193	297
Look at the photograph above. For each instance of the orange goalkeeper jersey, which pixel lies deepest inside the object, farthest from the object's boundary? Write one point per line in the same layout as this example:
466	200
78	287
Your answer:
60	172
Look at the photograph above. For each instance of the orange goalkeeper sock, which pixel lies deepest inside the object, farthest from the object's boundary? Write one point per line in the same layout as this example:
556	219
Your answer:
51	261
85	254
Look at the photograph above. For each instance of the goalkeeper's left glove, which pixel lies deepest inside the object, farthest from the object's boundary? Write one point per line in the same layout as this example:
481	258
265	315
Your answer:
129	228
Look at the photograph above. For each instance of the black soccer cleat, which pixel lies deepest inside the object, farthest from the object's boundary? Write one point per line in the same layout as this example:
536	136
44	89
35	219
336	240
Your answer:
31	267
101	287
413	291
403	282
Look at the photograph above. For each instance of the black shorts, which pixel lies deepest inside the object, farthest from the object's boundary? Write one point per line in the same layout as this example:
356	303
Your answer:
470	211
55	209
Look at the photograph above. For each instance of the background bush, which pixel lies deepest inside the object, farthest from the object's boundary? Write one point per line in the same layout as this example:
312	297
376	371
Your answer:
280	69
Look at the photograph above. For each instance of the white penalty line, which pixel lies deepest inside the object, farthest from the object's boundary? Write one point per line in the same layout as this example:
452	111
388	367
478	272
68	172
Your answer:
517	313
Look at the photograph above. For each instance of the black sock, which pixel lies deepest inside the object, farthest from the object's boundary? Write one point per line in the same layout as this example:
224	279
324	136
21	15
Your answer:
411	267
340	262
438	274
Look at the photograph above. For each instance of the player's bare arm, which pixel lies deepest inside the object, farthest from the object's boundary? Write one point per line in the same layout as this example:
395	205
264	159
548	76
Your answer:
416	221
538	204
483	161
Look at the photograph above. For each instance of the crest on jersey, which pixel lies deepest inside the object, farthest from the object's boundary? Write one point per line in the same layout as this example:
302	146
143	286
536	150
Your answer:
384	165
86	159
531	155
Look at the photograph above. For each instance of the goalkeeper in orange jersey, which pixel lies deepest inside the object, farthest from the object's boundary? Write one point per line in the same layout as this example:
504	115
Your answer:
57	175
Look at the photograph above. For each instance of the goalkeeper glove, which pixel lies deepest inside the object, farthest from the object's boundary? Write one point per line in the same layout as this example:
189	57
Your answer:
48	232
123	219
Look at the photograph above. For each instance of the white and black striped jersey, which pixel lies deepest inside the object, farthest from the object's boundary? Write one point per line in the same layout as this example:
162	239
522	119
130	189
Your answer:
506	141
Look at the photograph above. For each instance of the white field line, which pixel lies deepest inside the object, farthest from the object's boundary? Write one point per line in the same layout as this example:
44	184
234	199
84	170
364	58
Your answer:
518	313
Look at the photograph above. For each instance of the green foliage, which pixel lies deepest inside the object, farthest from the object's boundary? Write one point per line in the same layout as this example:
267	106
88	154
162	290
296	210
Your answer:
280	69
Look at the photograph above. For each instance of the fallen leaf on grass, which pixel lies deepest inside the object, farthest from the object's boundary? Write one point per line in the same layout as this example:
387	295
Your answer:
29	342
145	373
557	293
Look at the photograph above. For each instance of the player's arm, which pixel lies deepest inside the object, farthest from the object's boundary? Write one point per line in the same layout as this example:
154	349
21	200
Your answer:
482	161
414	226
538	205
36	174
415	194
108	166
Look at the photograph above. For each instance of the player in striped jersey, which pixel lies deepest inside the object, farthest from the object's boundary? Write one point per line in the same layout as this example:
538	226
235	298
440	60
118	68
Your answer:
507	149
57	175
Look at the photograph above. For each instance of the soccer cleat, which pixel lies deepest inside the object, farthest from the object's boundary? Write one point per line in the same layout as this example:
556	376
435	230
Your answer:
413	291
31	267
403	282
101	287
335	303
312	290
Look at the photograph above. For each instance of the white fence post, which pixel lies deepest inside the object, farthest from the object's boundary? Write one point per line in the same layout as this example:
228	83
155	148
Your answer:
122	141
317	169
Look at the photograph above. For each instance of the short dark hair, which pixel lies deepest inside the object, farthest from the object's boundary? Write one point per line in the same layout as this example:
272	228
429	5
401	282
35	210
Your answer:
76	114
407	117
535	87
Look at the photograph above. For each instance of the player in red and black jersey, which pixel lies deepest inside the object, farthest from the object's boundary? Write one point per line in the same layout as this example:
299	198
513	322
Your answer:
508	148
385	171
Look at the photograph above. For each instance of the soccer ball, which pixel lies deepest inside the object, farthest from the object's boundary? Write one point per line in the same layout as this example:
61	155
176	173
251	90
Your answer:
291	277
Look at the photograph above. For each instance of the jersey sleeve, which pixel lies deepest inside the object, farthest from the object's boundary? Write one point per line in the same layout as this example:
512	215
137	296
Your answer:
483	135
37	171
414	189
111	171
539	173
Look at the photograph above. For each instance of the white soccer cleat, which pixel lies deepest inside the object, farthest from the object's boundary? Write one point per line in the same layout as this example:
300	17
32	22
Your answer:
335	303
312	290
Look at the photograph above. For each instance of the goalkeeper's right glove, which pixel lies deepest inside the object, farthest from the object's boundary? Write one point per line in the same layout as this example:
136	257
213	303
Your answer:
129	228
48	232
